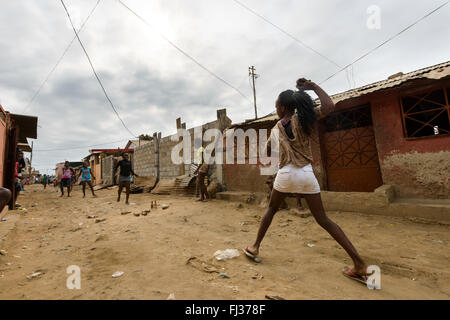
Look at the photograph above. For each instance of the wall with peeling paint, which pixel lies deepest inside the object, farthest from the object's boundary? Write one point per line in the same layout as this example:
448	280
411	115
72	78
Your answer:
418	168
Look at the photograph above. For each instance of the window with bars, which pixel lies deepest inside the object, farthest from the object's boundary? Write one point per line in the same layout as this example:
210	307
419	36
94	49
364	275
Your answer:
426	114
356	118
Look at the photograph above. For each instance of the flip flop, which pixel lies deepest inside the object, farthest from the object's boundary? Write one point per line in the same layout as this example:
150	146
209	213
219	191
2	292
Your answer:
351	275
248	253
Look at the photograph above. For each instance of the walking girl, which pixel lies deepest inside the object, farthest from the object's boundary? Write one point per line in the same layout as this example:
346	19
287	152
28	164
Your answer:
67	174
86	178
297	118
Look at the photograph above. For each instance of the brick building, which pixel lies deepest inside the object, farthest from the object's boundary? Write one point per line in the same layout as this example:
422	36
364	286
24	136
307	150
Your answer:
394	132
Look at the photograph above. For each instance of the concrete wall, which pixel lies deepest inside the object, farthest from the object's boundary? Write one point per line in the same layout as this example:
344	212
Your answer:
415	167
145	160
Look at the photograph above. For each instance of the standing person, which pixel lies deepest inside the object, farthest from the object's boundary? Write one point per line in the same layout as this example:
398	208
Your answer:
73	181
66	180
126	171
45	181
20	164
202	171
296	174
86	178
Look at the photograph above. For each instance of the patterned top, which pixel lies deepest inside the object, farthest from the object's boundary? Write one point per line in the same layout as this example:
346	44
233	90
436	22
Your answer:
296	150
86	174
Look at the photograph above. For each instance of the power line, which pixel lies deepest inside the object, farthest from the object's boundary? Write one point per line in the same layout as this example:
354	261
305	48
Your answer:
95	73
386	41
286	33
80	147
186	54
60	59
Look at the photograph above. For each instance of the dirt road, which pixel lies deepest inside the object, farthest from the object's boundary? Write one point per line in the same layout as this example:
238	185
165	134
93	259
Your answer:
153	250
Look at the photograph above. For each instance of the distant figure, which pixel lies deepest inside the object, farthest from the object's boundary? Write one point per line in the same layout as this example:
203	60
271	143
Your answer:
126	171
86	178
20	164
202	171
45	181
66	180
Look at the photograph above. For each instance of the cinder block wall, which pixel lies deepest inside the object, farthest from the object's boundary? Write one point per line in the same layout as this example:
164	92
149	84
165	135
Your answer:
145	160
168	169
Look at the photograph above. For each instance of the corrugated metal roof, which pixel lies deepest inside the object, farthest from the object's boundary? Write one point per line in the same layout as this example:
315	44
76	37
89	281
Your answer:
435	72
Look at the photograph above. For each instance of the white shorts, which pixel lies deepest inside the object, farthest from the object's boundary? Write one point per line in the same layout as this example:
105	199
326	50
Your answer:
292	179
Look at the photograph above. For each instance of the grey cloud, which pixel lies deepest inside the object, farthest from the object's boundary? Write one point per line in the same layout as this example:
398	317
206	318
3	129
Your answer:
152	83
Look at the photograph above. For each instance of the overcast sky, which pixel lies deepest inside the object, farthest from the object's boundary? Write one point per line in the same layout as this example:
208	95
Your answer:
152	84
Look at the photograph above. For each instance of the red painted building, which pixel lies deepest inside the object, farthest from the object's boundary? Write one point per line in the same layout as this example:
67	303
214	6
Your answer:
393	132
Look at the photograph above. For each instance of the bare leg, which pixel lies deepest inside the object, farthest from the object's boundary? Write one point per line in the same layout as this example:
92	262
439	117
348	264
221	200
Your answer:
200	182
92	188
283	204
120	191
276	198
62	189
204	189
16	197
68	191
84	188
316	207
127	188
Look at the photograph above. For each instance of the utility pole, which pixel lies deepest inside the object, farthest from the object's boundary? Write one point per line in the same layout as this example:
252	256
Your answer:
251	73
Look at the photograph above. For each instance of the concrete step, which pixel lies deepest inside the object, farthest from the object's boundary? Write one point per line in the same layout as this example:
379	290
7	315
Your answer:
240	196
380	202
423	208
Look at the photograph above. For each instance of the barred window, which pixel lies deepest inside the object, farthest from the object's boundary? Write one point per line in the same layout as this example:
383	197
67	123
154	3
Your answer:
426	114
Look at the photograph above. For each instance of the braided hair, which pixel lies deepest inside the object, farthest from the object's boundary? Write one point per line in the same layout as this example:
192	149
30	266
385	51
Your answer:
302	102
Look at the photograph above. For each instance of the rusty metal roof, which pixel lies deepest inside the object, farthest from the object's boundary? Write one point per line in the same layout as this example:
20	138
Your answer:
436	72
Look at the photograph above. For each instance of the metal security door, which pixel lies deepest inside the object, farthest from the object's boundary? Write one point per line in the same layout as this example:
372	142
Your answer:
350	151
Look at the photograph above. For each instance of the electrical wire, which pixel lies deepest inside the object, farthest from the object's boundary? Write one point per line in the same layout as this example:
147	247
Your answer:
386	41
286	33
185	53
80	147
95	73
60	59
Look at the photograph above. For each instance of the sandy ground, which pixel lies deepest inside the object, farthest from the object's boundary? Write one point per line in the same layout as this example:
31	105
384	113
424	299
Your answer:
153	251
